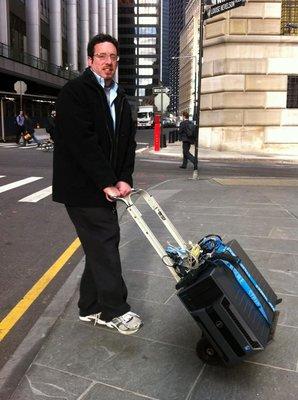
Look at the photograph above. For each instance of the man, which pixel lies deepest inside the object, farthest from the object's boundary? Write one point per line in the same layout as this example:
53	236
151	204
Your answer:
50	124
29	128
93	163
20	122
187	136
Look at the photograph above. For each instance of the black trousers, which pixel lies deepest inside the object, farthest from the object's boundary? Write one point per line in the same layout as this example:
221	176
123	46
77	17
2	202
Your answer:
187	155
19	131
102	288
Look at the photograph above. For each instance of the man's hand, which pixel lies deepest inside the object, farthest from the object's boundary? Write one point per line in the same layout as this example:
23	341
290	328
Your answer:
124	188
110	192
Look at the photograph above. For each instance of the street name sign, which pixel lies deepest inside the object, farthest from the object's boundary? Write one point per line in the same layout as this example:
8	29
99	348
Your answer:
162	101
161	89
214	2
20	87
222	7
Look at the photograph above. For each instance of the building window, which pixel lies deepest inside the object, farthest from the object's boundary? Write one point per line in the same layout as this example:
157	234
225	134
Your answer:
147	61
146	40
145	81
148	20
147	51
292	91
289	15
146	71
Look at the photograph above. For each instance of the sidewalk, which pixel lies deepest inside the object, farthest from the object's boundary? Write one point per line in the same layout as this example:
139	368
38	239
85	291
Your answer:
86	362
175	150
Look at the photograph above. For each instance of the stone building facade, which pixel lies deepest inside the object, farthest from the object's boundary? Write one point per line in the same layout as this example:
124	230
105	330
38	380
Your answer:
250	65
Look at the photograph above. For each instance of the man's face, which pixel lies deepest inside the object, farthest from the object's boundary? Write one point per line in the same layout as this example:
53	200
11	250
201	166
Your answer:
104	61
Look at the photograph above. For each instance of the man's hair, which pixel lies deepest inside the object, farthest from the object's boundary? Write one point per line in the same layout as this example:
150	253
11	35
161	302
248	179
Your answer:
100	38
185	114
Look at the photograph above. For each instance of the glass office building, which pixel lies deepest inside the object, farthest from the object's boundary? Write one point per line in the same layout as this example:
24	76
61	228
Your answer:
139	41
176	24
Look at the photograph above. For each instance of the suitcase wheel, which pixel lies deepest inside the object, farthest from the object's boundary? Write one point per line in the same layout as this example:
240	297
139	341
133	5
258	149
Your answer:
207	353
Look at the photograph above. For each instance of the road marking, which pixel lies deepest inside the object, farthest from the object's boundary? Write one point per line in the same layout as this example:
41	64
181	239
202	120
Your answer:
2	176
29	146
8	145
16	184
35	197
19	310
159	161
142	149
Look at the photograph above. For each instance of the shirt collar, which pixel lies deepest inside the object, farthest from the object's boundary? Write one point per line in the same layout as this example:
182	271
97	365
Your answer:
101	81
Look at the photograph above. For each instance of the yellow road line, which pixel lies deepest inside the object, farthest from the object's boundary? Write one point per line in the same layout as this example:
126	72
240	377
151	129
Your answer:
17	312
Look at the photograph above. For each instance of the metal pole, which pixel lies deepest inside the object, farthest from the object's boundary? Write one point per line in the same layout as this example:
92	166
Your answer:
161	119
195	91
2	120
197	127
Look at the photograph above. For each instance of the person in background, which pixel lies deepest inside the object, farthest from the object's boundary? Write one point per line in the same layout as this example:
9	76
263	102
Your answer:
20	124
51	122
94	157
187	136
29	127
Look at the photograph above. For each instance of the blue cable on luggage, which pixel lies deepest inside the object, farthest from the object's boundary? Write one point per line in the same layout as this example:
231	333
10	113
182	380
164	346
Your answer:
215	245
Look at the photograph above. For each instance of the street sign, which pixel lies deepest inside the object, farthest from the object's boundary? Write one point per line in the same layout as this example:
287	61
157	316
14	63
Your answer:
222	7
161	89
20	87
214	2
162	101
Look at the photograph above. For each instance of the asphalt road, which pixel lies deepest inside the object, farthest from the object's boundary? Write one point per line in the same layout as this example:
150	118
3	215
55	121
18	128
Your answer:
34	235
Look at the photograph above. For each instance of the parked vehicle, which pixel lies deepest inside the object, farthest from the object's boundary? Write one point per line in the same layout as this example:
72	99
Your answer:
145	117
168	122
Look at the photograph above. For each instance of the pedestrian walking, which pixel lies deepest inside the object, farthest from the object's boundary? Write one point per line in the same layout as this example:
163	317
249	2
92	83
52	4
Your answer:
187	136
29	129
50	124
20	125
94	158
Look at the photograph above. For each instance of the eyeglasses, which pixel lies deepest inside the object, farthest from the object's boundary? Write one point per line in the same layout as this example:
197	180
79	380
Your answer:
104	57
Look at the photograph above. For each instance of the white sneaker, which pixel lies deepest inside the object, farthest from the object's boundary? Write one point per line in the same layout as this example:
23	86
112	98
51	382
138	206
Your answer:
127	324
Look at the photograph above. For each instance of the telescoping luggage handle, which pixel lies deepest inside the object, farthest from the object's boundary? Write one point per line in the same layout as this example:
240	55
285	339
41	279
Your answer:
137	216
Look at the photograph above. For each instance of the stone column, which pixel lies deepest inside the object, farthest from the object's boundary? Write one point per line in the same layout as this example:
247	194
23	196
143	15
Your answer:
109	17
102	16
4	21
72	34
93	17
55	32
33	27
115	19
84	32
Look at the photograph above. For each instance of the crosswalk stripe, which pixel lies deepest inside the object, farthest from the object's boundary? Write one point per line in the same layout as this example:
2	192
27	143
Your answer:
35	197
21	182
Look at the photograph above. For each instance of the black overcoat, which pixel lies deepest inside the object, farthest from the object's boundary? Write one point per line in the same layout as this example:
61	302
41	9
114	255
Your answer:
89	155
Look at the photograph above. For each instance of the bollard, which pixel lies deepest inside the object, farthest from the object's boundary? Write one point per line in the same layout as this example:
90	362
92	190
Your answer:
156	132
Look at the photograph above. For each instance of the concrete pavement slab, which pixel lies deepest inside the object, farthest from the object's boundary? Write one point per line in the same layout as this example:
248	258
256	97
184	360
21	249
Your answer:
160	362
248	381
132	363
41	383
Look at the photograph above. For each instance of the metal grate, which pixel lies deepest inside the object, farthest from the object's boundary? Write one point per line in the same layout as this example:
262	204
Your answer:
292	91
289	16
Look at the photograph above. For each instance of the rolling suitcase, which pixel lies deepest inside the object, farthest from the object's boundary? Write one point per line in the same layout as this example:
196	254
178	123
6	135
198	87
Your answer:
220	287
